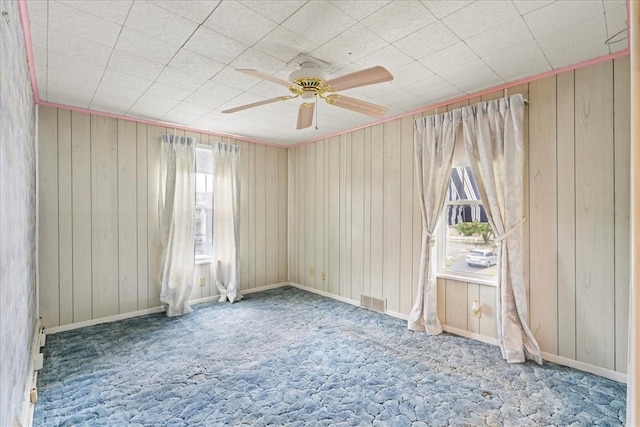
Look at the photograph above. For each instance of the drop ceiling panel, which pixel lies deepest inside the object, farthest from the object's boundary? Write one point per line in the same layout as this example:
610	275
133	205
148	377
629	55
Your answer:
276	10
360	9
480	16
236	21
174	60
398	19
158	23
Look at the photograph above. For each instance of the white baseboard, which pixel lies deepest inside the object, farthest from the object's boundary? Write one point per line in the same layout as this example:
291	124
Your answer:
108	319
28	407
242	291
581	366
138	313
324	294
606	373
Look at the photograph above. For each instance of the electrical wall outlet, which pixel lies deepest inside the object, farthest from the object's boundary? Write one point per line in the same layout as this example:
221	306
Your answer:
323	275
476	309
202	282
312	271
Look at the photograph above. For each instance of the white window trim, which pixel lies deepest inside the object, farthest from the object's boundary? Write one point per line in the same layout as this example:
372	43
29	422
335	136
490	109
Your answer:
202	259
460	276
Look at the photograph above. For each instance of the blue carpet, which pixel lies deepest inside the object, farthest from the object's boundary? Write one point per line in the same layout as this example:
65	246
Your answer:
289	357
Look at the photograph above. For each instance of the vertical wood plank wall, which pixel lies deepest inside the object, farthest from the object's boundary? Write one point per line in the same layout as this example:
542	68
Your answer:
360	200
99	244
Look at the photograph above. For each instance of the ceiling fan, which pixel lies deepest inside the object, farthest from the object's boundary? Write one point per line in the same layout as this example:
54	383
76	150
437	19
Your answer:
311	81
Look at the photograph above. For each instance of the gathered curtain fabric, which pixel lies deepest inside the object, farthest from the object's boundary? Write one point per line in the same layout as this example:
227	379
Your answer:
493	139
434	143
176	205
226	219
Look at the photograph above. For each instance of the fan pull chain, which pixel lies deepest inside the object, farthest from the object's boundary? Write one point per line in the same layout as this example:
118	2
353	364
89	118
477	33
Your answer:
316	96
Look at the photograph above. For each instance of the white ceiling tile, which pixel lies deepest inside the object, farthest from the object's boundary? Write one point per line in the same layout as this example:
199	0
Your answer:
125	81
134	65
39	35
389	57
473	76
561	14
616	19
80	49
318	21
196	64
575	35
284	44
527	52
236	80
520	70
254	59
38	11
355	43
152	106
436	89
194	10
398	19
66	93
141	45
267	89
480	16
215	45
179	118
411	73
577	53
360	9
168	91
231	18
83	25
430	39
159	23
440	8
177	78
526	6
115	11
114	99
449	58
212	95
76	72
499	38
276	10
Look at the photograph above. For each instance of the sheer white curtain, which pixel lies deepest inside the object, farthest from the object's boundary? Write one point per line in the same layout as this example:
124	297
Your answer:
493	140
434	143
226	219
176	206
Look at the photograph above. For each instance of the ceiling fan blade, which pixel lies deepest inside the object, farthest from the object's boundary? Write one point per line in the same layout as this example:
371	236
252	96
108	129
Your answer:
257	104
366	77
264	76
305	115
357	105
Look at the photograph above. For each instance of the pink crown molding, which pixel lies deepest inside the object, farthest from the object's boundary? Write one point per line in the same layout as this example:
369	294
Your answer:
26	27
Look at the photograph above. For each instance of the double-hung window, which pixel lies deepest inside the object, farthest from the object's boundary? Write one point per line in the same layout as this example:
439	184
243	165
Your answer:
467	251
204	205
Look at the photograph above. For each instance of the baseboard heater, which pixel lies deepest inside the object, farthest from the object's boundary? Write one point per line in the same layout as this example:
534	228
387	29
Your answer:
375	304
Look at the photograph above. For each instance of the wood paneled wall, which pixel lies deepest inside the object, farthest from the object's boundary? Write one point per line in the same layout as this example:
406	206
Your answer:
355	217
99	241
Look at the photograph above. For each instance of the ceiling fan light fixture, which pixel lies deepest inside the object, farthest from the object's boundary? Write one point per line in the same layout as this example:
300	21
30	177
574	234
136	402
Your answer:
308	73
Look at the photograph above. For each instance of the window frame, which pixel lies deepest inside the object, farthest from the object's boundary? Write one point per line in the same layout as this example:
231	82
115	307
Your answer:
202	259
441	270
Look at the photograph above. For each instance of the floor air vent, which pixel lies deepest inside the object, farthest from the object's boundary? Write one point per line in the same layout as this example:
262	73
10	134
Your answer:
373	303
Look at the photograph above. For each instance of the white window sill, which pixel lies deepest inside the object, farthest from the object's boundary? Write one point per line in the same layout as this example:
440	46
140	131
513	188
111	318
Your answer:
469	278
200	260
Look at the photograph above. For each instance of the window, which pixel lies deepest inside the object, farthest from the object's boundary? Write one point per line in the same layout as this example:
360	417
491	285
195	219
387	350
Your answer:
204	199
468	243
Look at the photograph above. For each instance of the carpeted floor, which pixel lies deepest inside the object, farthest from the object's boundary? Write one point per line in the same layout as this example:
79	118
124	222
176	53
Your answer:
289	357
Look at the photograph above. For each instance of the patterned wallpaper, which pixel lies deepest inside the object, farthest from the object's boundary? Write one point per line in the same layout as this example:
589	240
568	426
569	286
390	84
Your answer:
18	312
